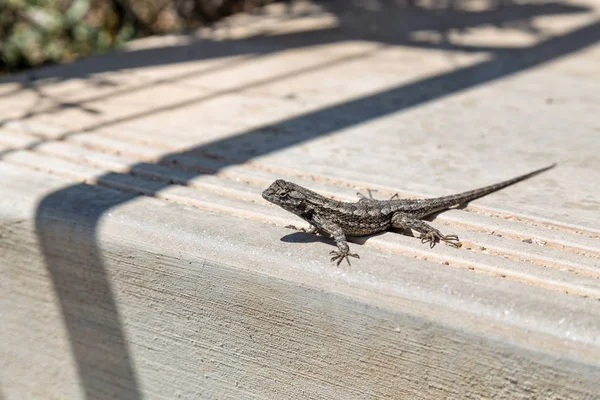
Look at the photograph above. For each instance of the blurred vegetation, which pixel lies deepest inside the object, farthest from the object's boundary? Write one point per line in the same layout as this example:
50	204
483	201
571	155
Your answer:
38	32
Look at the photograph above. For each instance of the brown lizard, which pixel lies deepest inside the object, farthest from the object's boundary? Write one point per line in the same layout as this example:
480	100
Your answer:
368	216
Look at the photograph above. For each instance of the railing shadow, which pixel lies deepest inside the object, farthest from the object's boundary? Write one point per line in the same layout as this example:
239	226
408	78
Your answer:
95	327
389	24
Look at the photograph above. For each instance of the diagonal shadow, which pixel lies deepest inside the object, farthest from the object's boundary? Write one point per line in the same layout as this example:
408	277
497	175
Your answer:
195	100
400	24
77	270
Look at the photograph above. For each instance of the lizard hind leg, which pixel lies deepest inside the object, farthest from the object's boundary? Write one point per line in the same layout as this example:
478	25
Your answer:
428	234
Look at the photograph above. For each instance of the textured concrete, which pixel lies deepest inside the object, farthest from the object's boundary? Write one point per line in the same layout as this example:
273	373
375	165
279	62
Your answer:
138	259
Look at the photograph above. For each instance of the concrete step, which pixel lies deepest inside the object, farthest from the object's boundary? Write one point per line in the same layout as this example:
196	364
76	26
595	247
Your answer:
139	259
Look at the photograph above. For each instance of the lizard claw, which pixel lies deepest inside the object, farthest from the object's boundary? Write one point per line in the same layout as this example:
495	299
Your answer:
433	237
340	255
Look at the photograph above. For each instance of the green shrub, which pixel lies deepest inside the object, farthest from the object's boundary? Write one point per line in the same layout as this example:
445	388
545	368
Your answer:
37	32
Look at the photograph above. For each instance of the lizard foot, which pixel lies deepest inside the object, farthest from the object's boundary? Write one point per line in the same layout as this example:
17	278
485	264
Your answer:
312	229
432	237
340	255
365	199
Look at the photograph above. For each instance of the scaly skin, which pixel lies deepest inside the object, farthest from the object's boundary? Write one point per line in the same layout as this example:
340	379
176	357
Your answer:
368	216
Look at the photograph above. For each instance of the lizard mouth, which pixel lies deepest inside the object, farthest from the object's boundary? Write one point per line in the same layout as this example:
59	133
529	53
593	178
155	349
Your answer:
269	195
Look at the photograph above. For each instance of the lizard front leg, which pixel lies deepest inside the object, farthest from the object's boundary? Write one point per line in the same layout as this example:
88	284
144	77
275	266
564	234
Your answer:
371	199
428	233
340	240
311	229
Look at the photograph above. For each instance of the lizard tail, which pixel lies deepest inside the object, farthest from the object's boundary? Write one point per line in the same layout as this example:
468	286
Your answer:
456	199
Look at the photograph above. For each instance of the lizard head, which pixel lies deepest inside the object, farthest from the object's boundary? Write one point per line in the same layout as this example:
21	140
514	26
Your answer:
286	195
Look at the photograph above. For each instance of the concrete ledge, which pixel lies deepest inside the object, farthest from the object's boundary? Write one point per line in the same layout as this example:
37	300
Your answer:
172	321
140	261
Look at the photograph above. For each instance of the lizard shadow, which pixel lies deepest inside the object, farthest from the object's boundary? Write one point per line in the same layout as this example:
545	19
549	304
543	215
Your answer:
304	237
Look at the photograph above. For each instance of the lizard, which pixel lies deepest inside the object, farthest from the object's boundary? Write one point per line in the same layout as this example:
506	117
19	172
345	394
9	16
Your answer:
368	216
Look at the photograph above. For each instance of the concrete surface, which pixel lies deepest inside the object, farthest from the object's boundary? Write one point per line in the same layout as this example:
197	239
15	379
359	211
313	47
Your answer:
138	259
